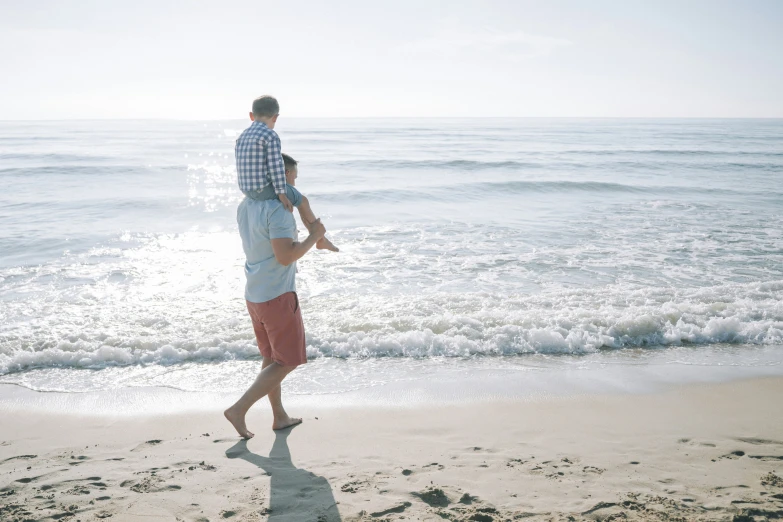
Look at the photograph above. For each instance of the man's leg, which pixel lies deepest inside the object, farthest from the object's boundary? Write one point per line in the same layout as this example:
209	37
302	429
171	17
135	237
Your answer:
308	217
270	378
281	418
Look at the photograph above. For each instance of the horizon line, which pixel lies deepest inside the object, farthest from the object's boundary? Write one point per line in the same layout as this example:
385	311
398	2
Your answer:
36	120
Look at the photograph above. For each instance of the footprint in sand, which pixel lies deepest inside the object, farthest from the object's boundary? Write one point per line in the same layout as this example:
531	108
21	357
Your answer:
434	465
691	442
201	465
479	448
467	499
758	442
595	470
147	444
770	479
427	467
433	497
78	490
21	457
78	460
354	486
467	508
732	455
478	514
81	479
27	480
766	457
395	509
566	467
152	484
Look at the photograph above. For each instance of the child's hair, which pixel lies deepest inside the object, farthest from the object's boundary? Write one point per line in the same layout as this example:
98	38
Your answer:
290	163
265	106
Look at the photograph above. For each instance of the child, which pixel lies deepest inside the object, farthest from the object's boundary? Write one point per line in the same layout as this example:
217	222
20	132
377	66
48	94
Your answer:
261	170
291	173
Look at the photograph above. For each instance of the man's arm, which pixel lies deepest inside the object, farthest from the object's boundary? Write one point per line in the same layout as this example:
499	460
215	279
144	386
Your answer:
276	169
287	250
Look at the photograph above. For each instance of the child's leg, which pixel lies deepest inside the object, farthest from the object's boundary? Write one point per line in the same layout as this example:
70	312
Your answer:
307	215
305	212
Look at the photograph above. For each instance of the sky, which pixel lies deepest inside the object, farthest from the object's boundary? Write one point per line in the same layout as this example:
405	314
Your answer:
425	58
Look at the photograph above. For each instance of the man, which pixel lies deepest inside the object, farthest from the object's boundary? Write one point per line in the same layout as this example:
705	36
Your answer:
269	239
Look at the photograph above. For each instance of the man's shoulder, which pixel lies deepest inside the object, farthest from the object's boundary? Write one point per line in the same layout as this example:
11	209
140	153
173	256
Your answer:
277	211
266	214
272	208
278	217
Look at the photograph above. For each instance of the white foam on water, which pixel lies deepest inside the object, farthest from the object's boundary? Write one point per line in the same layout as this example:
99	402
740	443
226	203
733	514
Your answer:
164	310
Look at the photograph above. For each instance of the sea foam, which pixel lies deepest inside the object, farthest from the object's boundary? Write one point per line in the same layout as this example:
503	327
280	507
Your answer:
433	325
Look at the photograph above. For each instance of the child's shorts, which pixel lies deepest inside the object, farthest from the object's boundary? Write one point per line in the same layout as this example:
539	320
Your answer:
268	192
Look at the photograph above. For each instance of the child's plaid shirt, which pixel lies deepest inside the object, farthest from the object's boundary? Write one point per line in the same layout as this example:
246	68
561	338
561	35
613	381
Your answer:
259	159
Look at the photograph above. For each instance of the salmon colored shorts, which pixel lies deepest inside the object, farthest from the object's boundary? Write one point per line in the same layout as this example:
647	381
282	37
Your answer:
279	329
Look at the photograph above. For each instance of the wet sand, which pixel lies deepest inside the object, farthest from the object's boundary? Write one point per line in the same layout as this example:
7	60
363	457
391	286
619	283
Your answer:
700	452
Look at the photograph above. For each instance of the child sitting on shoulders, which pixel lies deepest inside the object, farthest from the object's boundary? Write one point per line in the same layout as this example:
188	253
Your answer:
262	171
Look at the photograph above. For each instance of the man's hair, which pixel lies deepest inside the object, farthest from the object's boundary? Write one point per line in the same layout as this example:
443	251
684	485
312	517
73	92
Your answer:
265	106
290	163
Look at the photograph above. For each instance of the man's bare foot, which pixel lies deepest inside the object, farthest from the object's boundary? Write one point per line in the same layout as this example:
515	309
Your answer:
238	421
325	244
285	422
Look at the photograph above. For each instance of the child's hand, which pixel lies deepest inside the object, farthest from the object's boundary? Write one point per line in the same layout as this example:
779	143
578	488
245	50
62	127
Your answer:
287	204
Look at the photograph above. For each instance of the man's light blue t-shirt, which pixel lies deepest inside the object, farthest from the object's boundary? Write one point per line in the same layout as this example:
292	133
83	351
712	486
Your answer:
260	222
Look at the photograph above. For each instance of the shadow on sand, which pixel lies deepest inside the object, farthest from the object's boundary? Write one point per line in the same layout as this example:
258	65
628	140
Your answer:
296	494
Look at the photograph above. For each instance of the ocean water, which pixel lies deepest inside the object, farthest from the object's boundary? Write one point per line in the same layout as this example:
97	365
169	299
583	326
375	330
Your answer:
498	254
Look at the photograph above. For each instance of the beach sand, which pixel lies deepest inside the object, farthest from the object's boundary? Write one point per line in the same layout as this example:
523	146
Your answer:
699	452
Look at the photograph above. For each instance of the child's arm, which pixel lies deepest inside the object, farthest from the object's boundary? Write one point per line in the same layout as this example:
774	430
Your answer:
276	169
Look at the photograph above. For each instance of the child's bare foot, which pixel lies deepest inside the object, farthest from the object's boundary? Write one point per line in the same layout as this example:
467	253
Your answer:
325	244
238	421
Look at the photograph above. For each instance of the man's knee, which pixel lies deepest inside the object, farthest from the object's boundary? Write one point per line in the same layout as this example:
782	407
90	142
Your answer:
287	368
290	368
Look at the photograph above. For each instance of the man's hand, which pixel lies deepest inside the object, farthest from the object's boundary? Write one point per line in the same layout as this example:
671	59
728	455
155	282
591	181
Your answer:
317	229
287	204
287	250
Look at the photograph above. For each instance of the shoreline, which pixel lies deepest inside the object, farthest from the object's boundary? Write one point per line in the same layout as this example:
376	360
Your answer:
695	452
379	383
